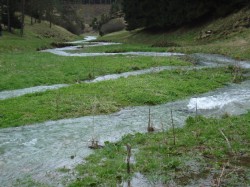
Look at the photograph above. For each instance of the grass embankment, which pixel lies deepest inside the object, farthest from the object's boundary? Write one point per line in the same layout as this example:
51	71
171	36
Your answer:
109	96
201	156
229	36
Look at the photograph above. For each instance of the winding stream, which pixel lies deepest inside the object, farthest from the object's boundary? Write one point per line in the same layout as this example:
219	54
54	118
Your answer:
16	93
36	152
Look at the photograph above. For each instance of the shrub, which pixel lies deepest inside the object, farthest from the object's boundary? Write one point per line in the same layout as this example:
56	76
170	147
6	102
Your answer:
113	25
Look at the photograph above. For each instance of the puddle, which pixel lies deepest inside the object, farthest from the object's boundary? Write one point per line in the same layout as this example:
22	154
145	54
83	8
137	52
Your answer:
139	180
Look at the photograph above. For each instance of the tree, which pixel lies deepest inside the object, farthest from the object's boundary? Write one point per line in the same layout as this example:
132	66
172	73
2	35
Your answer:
8	14
173	13
22	17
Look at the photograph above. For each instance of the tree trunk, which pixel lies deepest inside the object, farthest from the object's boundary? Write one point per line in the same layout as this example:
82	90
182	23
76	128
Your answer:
8	13
50	19
22	20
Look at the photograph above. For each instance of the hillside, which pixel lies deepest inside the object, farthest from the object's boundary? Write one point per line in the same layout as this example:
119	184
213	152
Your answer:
228	35
36	36
91	11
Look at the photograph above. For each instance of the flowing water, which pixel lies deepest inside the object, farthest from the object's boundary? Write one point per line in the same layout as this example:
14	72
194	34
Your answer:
38	151
20	92
204	60
60	52
15	93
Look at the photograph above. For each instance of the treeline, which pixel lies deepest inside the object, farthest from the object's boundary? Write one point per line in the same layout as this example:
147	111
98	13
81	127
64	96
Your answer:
7	13
173	13
55	11
97	1
91	1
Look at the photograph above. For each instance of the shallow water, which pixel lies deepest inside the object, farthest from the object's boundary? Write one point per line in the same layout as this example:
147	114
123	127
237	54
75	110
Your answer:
86	39
61	52
16	93
204	60
138	180
233	100
39	150
140	72
220	60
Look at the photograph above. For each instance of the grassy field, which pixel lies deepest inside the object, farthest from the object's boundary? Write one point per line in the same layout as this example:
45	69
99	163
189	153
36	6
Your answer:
23	66
77	100
29	69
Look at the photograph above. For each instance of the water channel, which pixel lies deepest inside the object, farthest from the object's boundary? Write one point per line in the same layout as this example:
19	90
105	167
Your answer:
38	151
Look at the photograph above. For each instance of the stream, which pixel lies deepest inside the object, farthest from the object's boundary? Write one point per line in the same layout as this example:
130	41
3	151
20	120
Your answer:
37	152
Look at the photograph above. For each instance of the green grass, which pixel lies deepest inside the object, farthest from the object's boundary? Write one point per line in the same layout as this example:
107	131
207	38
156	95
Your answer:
36	36
109	96
200	151
21	70
22	66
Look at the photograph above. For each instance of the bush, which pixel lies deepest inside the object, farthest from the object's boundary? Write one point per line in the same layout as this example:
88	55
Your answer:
113	25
